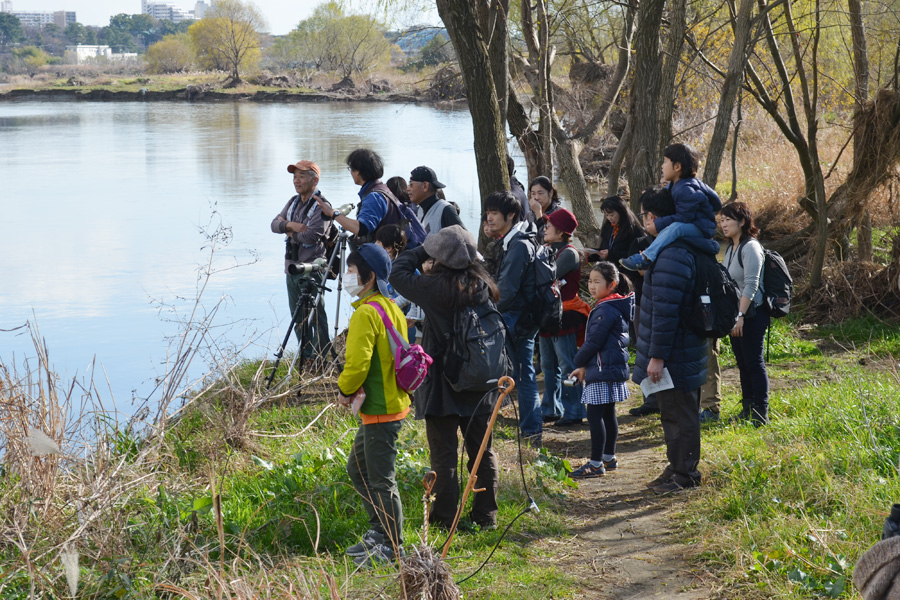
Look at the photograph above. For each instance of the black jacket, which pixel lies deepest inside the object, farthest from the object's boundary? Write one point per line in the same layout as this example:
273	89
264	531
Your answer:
435	397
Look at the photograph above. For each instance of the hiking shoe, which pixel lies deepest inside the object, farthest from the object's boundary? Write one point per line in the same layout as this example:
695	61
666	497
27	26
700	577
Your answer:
665	476
611	465
708	416
587	471
643	410
671	487
569	422
635	262
377	555
370	539
535	440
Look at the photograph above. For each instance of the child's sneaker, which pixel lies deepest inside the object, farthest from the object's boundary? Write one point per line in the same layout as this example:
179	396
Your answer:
611	465
587	471
635	262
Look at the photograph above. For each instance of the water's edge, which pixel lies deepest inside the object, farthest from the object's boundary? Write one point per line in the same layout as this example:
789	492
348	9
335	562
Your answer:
199	94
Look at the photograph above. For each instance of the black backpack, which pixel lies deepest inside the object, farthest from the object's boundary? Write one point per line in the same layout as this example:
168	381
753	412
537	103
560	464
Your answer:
545	311
778	286
712	310
475	354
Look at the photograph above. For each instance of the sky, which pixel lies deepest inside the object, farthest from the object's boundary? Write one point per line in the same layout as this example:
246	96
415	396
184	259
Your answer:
281	16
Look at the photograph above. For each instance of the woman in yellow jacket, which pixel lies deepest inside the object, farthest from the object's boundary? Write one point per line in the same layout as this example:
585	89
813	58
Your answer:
369	364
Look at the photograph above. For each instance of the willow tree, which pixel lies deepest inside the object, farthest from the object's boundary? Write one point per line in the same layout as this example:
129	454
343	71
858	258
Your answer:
229	36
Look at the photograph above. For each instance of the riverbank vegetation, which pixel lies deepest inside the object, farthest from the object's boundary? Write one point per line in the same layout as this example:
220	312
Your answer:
243	493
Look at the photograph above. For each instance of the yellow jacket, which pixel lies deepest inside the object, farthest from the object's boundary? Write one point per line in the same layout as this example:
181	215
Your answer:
369	362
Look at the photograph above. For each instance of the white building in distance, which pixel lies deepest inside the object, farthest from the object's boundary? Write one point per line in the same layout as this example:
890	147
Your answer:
34	18
166	11
85	53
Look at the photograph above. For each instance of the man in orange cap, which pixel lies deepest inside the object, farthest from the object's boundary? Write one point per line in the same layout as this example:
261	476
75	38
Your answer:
306	231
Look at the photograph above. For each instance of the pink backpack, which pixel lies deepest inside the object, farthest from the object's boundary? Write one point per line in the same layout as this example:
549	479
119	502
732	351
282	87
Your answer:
411	362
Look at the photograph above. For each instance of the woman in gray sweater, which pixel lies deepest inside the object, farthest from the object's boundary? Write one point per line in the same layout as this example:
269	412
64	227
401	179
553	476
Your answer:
744	261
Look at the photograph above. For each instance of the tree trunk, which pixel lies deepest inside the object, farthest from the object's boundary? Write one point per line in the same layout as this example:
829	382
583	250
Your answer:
861	78
529	142
730	87
615	163
475	64
567	151
644	168
674	46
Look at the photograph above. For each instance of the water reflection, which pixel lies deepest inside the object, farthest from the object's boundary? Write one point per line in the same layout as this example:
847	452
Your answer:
103	205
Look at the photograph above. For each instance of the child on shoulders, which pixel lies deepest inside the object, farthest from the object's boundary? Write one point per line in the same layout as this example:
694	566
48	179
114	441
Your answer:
696	205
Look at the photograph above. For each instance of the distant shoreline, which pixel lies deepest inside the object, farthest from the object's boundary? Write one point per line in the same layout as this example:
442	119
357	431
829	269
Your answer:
199	94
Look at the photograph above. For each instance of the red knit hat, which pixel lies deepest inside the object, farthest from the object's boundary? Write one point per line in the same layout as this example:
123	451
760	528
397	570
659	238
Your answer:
564	220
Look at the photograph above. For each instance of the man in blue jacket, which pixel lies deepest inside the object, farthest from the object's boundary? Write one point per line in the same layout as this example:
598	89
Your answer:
664	342
517	246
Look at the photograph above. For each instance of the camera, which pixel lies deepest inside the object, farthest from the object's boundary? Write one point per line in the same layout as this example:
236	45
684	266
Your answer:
570	382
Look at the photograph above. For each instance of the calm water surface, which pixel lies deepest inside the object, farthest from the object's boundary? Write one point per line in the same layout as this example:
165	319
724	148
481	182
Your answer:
103	207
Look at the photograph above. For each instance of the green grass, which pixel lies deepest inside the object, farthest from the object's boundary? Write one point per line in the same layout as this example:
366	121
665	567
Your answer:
791	506
866	334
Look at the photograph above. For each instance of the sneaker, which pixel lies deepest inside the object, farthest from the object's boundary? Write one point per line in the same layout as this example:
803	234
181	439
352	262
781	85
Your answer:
611	465
587	471
370	539
569	422
708	416
378	555
550	418
635	262
643	410
665	476
671	487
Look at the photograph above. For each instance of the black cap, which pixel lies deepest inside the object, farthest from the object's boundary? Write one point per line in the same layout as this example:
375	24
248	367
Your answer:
426	175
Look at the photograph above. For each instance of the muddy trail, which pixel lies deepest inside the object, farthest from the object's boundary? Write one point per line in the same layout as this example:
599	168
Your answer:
624	543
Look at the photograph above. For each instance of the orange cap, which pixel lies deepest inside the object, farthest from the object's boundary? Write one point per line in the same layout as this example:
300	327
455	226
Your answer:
305	165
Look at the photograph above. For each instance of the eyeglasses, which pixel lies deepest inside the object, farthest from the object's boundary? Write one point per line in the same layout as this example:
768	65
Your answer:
349	168
641	215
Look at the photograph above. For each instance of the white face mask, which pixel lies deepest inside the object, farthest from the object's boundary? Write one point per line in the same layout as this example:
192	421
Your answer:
351	284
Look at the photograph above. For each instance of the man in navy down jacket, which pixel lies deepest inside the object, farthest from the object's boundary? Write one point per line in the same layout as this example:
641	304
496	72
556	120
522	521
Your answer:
665	342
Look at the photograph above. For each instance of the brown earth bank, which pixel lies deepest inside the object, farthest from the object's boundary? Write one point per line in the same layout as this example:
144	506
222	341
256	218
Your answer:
199	94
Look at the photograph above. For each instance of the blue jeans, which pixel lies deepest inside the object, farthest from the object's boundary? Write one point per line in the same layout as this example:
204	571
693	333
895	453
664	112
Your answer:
557	361
521	353
672	232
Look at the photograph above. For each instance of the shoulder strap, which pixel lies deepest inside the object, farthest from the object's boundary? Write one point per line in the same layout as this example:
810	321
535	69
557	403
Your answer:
740	250
394	338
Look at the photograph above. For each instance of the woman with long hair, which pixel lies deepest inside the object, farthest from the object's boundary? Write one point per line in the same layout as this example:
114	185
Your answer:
456	279
620	229
744	260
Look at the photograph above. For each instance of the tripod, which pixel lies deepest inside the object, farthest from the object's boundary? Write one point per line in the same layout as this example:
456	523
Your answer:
305	311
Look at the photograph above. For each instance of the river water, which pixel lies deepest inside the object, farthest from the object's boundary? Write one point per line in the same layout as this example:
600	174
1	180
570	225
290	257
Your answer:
104	208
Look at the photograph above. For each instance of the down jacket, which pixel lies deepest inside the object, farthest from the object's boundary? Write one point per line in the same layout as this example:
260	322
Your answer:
668	288
605	349
696	203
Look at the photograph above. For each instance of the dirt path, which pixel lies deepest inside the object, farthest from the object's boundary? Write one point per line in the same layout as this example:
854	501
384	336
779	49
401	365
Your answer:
625	545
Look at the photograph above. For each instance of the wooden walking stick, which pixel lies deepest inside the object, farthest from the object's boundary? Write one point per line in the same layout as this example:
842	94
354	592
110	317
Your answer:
506	385
428	482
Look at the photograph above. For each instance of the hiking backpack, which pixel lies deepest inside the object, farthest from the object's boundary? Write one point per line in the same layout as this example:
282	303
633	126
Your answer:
475	356
545	310
411	362
402	215
712	311
778	286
